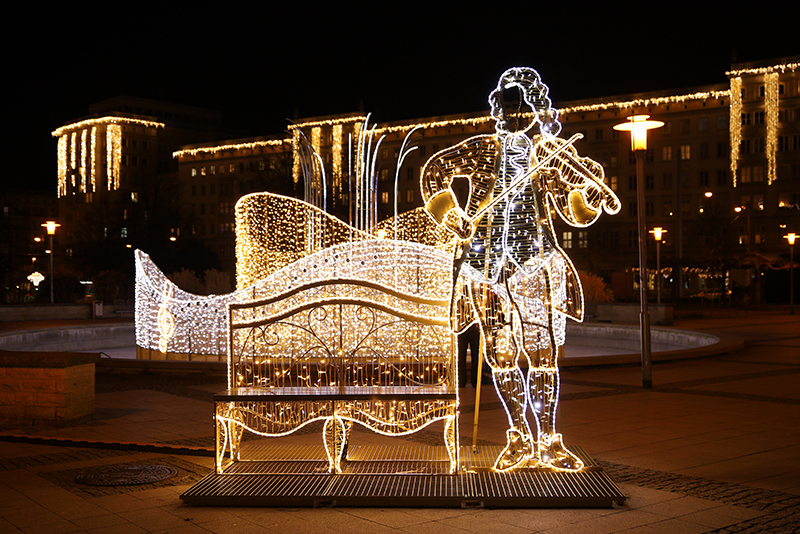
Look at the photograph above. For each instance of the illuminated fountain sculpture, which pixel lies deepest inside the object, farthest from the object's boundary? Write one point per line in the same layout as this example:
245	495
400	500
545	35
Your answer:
331	322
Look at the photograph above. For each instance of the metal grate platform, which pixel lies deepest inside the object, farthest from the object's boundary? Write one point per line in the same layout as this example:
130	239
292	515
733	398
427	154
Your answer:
400	477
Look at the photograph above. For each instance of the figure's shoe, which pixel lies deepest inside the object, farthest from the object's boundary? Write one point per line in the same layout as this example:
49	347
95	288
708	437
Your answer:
517	452
555	455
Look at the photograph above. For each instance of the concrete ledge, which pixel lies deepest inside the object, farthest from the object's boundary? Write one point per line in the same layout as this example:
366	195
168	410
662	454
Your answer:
161	367
71	338
660	314
674	344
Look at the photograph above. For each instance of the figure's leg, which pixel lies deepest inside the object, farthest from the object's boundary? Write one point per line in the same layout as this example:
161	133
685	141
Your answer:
501	353
335	435
542	347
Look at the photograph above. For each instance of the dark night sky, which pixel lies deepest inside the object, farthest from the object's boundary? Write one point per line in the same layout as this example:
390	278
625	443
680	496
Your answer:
262	65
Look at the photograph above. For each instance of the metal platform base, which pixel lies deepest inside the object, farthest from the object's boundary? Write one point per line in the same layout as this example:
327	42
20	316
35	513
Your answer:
401	477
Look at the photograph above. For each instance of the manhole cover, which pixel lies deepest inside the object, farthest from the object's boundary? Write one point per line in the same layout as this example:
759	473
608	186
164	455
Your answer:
125	475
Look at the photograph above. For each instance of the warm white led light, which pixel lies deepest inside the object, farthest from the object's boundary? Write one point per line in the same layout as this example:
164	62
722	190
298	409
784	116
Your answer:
521	285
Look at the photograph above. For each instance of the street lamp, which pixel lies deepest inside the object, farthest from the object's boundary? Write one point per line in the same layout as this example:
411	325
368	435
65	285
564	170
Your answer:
790	237
638	126
51	231
657	233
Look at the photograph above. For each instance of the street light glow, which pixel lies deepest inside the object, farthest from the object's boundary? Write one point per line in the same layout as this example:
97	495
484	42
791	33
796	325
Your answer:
638	127
51	227
658	232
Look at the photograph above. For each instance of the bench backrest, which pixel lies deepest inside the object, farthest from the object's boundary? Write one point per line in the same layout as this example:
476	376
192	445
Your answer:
366	314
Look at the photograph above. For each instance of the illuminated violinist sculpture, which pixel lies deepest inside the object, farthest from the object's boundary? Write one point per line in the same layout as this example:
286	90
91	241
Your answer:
521	285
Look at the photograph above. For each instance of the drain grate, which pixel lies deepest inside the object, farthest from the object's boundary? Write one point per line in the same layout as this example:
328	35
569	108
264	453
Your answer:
401	476
125	475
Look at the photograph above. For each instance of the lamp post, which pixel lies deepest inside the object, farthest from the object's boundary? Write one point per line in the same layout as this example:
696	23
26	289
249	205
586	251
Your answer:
638	126
790	237
51	231
657	233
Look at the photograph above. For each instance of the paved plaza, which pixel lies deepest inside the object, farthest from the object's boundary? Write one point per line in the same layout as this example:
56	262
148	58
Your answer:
712	448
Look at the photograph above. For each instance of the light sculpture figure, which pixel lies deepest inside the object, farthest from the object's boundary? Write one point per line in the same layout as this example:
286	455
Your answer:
520	286
354	323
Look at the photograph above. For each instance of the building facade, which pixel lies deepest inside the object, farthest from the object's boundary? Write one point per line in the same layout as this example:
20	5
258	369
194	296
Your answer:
117	179
722	177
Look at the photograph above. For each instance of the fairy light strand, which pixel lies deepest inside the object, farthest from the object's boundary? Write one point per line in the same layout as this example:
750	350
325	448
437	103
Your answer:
735	126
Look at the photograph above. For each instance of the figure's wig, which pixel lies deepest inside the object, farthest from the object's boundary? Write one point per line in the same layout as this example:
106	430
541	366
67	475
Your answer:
535	94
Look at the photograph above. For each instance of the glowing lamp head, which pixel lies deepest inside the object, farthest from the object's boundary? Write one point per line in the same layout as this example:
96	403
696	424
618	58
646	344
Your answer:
51	227
36	278
638	127
790	237
658	232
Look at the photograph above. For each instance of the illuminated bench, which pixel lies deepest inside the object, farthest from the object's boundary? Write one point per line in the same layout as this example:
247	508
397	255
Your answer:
359	335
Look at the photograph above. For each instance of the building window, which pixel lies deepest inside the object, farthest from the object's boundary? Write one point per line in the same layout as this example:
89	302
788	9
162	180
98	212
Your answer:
649	208
744	146
722	178
649	182
703	178
633	239
722	122
598	134
123	232
194	171
632	209
583	239
686	204
134	196
410	195
685	152
613	183
632	183
760	235
384	175
666	181
722	150
566	239
758	174
667	211
703	150
384	197
666	153
702	124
